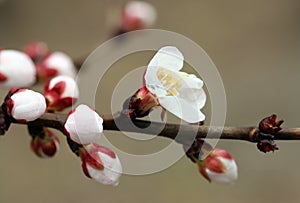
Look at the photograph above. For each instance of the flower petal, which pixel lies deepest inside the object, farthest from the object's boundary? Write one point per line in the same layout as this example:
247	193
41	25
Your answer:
196	96
190	80
187	111
84	125
167	57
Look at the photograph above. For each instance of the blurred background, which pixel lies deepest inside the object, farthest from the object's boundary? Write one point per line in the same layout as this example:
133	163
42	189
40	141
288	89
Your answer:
255	45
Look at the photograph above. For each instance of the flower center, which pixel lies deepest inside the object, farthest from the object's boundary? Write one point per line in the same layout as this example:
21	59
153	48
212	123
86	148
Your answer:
170	83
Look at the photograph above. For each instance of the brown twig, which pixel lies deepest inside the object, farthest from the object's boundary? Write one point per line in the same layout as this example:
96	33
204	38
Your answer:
120	122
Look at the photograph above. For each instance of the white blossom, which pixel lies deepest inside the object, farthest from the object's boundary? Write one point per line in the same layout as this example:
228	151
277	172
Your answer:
178	92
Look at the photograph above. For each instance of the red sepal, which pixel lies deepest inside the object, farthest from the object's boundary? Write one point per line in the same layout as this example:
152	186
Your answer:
85	170
3	78
107	151
204	174
45	72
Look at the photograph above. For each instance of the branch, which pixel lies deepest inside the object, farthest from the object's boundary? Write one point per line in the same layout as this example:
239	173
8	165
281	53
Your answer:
121	122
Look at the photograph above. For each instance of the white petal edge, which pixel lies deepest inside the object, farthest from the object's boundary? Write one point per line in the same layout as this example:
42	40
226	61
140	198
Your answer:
168	57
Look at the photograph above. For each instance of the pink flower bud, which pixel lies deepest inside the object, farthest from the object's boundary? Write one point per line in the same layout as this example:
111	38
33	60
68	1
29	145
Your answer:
219	167
83	125
57	63
61	92
16	69
101	164
37	51
25	105
47	146
137	15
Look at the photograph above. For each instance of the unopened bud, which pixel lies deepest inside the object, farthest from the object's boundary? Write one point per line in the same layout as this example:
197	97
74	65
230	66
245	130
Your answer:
101	164
61	92
219	167
16	69
45	146
24	105
57	63
137	15
37	51
83	125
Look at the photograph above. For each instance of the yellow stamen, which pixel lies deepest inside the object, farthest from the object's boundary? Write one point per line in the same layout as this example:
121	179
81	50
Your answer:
170	83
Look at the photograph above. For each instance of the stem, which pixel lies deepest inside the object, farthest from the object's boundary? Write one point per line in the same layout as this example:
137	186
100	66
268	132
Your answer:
120	122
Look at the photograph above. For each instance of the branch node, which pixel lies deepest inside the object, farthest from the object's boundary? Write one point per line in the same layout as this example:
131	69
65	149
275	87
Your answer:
267	130
254	135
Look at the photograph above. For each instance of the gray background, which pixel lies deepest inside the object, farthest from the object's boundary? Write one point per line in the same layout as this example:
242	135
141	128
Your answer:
254	44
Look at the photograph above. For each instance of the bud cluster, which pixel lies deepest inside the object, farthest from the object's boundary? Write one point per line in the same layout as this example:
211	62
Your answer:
23	69
266	132
83	126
